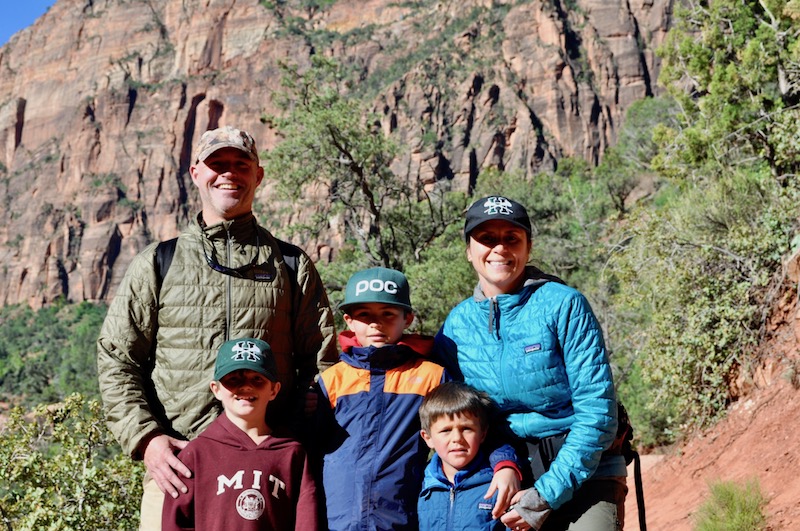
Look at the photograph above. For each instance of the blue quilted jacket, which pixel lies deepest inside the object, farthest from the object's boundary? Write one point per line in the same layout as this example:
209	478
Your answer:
539	353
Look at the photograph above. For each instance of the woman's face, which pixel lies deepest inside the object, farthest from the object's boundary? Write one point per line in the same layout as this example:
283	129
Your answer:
498	251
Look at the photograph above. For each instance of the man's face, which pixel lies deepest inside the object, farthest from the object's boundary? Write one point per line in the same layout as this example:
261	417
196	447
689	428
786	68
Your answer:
227	181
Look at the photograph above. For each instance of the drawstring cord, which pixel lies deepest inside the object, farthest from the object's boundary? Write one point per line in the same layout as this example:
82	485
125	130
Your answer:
494	324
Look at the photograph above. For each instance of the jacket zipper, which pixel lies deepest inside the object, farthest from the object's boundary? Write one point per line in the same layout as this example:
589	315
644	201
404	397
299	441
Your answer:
228	280
451	512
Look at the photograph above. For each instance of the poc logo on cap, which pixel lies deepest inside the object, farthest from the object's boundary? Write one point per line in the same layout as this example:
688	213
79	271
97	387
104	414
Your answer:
376	285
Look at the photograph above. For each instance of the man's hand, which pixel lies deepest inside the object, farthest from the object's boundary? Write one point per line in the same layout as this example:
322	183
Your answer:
506	483
163	465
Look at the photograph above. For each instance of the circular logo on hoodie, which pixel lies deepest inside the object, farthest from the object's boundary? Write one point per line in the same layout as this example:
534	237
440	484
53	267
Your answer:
250	504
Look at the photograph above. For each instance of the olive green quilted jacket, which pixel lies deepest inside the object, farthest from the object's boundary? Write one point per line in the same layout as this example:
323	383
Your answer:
157	347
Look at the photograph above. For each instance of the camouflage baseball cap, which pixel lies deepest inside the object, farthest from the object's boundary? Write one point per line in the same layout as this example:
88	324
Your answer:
224	137
245	353
377	284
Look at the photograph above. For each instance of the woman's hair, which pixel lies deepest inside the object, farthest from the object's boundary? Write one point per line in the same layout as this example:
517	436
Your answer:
454	398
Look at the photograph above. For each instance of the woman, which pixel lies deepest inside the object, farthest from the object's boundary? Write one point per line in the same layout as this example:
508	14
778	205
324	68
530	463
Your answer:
534	345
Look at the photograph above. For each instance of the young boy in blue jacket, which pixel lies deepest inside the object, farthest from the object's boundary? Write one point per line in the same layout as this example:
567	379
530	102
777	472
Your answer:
367	409
455	421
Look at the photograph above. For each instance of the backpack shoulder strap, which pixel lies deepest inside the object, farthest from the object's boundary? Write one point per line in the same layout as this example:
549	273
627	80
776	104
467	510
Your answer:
164	252
291	257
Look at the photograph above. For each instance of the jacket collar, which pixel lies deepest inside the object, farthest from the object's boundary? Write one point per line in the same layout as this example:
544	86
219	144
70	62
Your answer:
410	346
472	474
241	228
534	277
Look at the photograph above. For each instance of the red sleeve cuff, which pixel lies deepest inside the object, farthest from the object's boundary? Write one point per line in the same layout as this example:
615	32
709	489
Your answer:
508	464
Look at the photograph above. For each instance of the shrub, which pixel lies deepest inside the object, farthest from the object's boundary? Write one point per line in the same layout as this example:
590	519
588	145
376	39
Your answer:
61	469
733	507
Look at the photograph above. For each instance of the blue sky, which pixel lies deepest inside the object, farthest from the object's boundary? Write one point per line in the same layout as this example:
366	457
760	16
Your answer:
19	14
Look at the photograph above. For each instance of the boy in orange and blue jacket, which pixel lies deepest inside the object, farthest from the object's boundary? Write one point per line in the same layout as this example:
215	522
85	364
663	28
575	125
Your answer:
374	458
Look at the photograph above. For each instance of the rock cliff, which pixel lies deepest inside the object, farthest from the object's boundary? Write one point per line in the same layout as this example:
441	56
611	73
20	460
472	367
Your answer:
102	101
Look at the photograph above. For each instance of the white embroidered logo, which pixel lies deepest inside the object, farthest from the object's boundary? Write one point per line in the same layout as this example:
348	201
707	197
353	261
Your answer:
498	205
250	504
246	350
376	285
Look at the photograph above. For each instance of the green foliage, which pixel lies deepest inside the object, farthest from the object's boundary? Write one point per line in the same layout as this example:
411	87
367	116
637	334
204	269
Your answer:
61	470
47	354
690	279
331	150
625	164
692	293
441	280
739	61
733	507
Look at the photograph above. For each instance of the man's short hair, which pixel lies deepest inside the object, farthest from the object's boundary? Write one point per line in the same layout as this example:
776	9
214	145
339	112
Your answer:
455	398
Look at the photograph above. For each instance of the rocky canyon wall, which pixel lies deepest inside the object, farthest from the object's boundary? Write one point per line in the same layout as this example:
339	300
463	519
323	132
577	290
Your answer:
102	101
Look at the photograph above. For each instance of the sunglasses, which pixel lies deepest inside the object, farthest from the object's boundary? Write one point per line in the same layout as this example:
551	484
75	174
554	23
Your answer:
251	271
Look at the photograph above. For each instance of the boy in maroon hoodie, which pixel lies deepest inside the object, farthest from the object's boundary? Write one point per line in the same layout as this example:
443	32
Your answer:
245	477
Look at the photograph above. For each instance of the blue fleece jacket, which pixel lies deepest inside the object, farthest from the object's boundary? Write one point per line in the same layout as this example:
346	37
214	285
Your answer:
444	506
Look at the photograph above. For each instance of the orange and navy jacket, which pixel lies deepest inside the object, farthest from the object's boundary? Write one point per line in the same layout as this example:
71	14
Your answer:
374	457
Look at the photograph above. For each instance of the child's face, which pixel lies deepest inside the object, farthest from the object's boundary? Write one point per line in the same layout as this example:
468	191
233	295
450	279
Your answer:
245	393
377	324
456	440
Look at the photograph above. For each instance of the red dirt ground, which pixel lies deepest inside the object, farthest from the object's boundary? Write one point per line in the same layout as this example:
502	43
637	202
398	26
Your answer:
758	439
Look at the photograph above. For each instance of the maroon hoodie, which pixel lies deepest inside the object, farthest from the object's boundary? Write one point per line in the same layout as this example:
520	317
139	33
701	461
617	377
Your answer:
237	485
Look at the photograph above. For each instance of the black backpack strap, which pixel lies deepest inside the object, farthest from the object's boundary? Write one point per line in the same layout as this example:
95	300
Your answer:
291	257
637	478
164	252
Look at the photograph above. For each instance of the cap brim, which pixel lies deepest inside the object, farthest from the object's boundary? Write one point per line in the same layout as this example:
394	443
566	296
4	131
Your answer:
344	307
469	228
266	374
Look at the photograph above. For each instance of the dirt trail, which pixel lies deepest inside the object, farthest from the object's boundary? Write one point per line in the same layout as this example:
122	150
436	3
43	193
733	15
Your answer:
759	439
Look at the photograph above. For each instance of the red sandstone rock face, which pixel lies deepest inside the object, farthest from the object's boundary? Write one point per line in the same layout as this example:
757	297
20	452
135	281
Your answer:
101	103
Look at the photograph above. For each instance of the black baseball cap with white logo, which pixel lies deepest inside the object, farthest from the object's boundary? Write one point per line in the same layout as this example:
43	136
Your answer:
377	284
496	207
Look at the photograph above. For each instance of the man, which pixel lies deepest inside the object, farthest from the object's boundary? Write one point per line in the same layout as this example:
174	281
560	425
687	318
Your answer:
227	279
